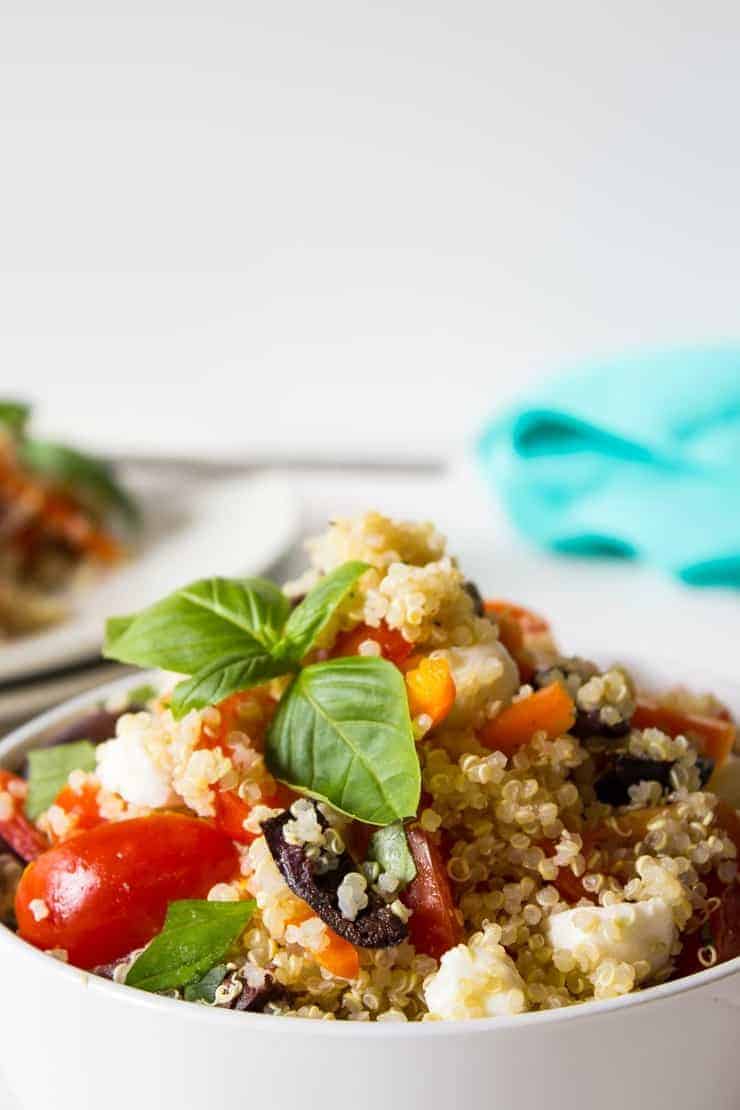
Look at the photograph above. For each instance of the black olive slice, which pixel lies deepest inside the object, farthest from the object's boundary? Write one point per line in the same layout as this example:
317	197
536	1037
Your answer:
374	927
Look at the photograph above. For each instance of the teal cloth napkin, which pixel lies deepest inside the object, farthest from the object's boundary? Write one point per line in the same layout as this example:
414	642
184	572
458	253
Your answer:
636	458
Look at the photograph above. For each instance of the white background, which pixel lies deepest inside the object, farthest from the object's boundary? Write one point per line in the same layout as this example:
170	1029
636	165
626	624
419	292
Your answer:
340	229
321	227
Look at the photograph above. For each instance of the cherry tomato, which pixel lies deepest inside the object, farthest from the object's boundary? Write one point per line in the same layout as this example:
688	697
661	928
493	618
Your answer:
393	646
433	926
16	830
106	891
232	811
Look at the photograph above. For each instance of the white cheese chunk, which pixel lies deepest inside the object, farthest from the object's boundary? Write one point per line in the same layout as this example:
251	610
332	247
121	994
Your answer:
475	981
127	766
629	932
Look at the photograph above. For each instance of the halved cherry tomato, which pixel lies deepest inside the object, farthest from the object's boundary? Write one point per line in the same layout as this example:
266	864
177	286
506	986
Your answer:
81	804
393	646
338	956
715	735
433	926
232	811
107	890
17	831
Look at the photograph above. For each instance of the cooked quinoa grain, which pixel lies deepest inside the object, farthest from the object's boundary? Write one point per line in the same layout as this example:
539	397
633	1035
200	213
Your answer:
554	862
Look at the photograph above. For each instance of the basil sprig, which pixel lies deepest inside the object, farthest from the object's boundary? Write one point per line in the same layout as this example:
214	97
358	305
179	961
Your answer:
227	634
196	936
49	769
342	732
309	619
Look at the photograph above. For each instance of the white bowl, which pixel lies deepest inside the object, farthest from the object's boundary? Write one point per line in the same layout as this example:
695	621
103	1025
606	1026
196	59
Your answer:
73	1041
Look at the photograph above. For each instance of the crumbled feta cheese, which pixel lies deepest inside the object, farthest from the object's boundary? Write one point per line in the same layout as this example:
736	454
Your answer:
628	932
483	673
128	766
352	895
475	980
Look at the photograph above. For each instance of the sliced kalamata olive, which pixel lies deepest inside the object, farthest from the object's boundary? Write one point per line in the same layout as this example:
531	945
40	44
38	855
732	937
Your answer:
253	1000
612	787
477	596
374	927
590	723
705	767
107	971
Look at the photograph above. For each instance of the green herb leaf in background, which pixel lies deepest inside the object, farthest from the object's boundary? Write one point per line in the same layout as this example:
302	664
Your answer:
227	676
204	990
309	619
201	625
196	936
14	416
83	473
390	848
49	769
343	733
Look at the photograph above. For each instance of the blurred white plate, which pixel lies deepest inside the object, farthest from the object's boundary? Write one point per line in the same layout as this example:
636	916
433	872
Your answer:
234	527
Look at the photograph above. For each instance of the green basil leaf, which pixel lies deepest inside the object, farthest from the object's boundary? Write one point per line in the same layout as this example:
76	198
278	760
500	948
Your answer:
196	935
390	848
85	473
14	415
204	990
212	684
310	618
115	628
49	769
193	628
343	733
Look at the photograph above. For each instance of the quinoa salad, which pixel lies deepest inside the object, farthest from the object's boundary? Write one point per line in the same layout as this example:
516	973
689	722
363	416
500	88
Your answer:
372	795
64	520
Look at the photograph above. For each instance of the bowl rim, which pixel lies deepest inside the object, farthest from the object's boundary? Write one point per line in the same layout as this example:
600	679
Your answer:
17	742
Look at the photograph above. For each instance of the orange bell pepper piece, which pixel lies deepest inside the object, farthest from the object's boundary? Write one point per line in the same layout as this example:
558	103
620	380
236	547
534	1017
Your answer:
431	689
550	710
338	956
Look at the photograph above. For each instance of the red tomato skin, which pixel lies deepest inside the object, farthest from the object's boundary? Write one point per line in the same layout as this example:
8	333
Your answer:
433	926
392	644
107	889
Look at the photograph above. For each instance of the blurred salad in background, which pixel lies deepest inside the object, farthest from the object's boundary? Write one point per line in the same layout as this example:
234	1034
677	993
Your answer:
64	520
